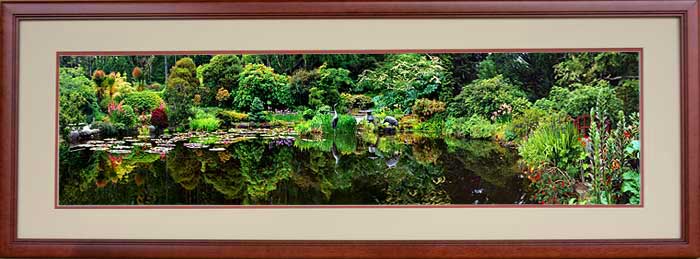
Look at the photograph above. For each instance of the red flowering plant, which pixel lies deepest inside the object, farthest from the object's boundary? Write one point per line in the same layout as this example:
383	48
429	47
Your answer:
613	161
552	156
112	107
550	185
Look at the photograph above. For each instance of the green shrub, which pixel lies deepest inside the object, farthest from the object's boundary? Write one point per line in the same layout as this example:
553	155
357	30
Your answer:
144	101
492	98
590	68
77	99
205	124
228	117
182	88
300	83
288	117
222	71
356	101
324	86
523	124
257	111
408	122
403	78
628	93
476	127
308	114
322	123
435	125
480	127
426	108
631	185
69	111
125	116
556	145
581	99
204	121
306	129
261	82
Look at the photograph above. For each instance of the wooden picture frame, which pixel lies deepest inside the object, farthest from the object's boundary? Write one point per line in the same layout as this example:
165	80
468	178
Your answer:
14	12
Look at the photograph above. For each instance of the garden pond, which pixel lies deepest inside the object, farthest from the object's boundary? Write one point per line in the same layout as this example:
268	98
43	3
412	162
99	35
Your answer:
268	167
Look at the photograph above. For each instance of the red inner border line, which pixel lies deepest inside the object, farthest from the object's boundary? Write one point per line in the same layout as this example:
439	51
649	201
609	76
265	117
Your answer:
640	51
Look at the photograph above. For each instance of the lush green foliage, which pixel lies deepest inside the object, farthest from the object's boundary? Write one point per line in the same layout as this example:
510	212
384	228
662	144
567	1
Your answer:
628	93
229	117
581	99
433	127
476	127
481	106
77	99
492	98
613	158
222	72
525	123
631	184
355	101
260	82
426	108
204	121
300	84
401	79
143	101
325	85
321	124
552	157
554	145
588	68
122	117
257	111
532	72
182	88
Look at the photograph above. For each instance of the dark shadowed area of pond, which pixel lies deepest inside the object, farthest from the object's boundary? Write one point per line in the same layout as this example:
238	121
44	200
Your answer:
225	169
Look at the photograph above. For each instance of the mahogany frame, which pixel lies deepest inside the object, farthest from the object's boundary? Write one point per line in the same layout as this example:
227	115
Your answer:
13	12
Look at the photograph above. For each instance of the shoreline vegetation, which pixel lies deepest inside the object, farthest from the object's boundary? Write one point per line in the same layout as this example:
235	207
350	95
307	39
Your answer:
499	128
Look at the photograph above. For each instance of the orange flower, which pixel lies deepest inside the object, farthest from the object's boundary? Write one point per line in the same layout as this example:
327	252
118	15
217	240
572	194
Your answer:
584	141
615	165
99	74
136	73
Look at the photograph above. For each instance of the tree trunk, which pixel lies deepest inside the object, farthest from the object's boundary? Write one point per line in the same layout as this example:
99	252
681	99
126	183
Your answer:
165	62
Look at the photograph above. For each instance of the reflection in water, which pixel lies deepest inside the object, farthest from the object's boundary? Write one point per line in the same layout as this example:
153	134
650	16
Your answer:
371	170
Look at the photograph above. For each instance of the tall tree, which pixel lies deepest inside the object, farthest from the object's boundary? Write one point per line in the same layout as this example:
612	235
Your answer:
181	91
533	72
221	72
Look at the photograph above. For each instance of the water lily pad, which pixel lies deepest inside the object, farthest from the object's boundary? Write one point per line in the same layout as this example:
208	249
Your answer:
119	151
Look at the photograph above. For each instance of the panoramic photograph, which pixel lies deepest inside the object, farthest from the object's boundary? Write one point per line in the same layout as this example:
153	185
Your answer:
534	128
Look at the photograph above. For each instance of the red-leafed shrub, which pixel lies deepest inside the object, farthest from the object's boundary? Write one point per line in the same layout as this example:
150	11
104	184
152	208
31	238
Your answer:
159	118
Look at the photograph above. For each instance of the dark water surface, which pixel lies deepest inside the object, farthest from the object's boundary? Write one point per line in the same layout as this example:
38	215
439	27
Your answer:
286	170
